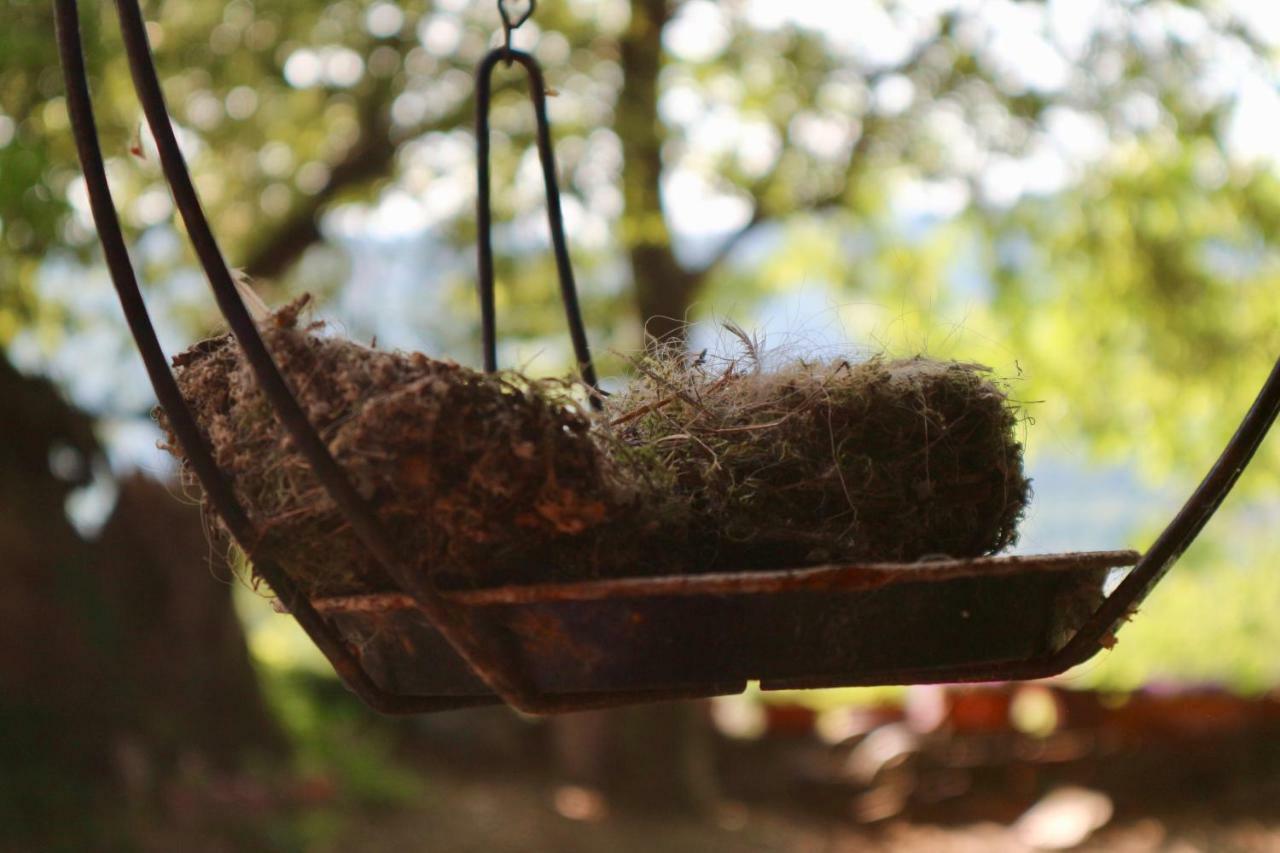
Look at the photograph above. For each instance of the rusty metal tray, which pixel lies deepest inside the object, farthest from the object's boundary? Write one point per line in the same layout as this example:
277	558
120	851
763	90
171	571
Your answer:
818	626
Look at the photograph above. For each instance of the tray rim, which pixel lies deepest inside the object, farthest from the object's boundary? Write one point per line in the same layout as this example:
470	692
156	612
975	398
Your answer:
834	577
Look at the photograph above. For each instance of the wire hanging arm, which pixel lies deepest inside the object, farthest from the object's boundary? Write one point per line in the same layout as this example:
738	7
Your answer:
215	484
484	650
1186	524
555	214
466	637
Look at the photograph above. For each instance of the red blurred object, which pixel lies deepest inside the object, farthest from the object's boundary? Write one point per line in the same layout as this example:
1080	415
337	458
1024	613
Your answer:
314	790
978	710
1190	714
789	720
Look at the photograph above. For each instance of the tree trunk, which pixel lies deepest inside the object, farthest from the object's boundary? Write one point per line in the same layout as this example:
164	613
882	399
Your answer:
655	757
120	656
663	288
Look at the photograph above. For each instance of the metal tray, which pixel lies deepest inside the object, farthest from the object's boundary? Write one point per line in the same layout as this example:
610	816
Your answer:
819	626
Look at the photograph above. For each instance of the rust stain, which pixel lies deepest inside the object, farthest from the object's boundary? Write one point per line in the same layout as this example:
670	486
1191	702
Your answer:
811	579
545	636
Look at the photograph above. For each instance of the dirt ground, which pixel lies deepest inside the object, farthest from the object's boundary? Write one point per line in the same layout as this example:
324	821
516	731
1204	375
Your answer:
1168	773
475	816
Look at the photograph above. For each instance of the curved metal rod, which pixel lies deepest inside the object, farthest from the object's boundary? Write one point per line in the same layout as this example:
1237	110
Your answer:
555	216
485	651
84	129
1182	530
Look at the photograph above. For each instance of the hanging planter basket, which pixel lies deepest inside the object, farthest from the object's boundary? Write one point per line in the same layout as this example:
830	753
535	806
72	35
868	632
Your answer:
552	647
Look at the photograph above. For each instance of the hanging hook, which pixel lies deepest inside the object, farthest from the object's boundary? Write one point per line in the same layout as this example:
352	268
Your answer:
555	215
509	26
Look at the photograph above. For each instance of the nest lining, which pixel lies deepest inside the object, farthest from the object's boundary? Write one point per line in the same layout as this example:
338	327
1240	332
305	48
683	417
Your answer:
499	478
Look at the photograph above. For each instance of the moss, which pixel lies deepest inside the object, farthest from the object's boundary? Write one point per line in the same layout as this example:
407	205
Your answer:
883	460
499	478
467	470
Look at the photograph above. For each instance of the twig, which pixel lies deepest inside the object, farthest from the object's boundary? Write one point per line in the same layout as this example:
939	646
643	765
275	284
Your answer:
666	401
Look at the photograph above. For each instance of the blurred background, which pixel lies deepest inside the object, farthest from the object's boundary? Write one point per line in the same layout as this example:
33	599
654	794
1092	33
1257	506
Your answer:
1082	195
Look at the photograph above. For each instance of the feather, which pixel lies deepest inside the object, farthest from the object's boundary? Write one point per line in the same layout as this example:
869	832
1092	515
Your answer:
752	345
257	308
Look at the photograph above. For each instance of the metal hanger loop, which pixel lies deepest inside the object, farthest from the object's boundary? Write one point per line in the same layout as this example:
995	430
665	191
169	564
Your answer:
509	25
555	215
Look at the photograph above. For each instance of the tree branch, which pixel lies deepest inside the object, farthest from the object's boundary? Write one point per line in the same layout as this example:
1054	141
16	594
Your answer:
372	157
663	288
854	164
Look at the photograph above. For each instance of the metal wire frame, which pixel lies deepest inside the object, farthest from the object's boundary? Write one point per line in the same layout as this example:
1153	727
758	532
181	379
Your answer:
479	645
555	216
483	649
80	109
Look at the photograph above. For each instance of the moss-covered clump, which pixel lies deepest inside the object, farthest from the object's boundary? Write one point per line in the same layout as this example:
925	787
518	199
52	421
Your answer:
480	473
500	478
879	460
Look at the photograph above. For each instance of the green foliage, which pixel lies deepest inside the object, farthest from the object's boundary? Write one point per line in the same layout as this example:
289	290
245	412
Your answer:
1212	619
335	738
37	791
1142	303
